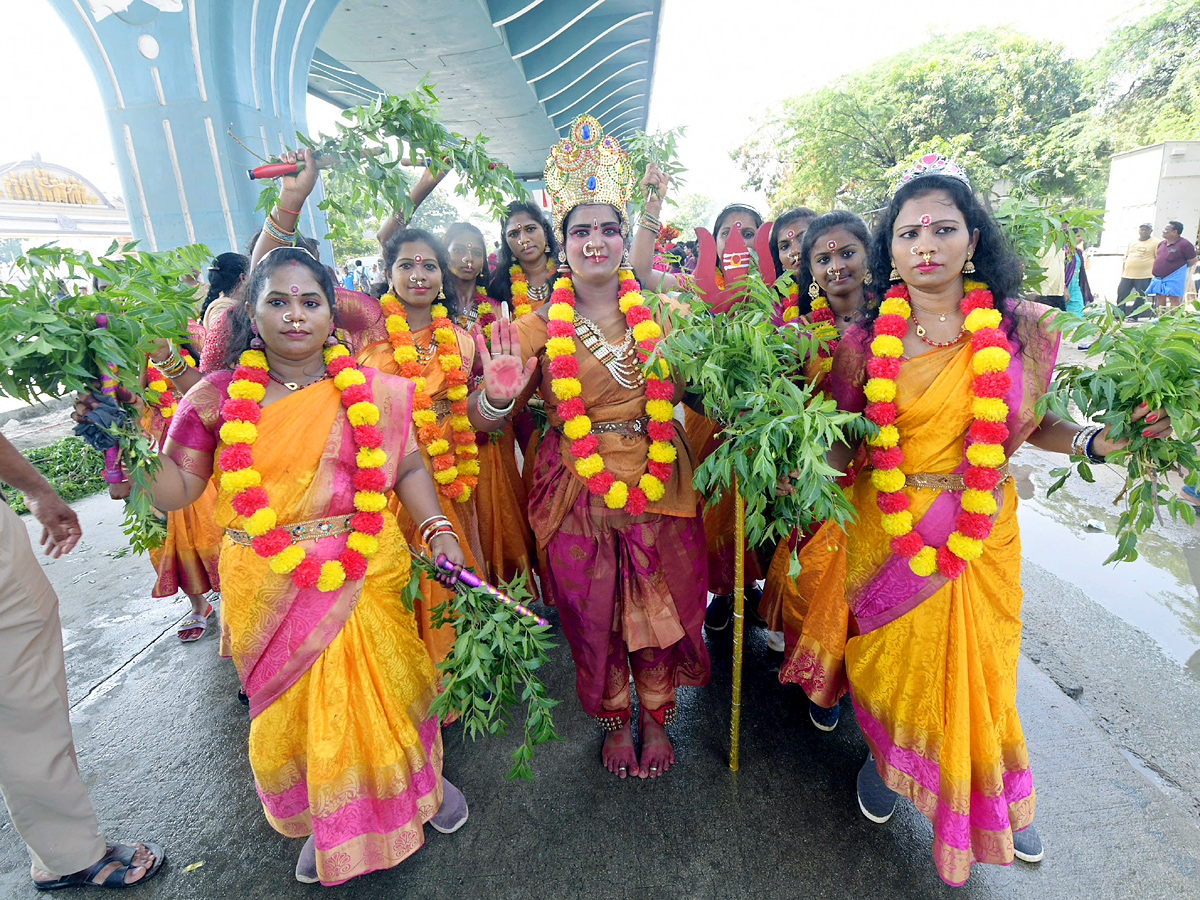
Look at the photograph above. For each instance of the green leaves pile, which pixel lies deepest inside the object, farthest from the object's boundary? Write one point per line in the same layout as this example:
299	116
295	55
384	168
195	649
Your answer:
492	667
370	142
50	345
1156	362
72	467
749	375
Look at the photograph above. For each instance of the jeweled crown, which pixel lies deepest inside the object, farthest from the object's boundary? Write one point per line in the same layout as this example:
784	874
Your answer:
932	164
587	166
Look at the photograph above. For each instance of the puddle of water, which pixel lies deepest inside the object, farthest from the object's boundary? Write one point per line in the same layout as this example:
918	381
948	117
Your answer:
1158	593
1151	776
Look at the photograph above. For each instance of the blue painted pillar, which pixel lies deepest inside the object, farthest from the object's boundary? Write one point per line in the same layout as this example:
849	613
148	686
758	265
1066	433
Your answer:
174	75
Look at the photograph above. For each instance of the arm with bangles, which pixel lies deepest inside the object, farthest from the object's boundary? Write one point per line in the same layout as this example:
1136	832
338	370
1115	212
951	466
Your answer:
1058	435
422	189
279	229
641	251
505	379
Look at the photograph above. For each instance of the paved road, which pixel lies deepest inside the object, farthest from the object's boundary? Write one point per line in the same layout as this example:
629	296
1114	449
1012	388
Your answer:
162	738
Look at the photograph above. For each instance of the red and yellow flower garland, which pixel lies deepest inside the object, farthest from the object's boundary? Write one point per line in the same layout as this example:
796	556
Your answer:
986	436
790	308
157	382
455	478
564	367
520	290
483	308
825	331
241	412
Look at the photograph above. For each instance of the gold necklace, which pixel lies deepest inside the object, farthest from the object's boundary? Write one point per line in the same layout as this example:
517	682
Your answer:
617	358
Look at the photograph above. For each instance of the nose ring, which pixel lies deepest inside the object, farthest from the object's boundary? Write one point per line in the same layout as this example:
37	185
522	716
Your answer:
590	249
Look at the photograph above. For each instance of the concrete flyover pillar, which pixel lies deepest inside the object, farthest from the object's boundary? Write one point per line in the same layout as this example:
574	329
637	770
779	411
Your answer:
174	75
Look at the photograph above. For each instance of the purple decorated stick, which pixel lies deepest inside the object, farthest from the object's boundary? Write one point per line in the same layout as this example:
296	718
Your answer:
469	578
113	473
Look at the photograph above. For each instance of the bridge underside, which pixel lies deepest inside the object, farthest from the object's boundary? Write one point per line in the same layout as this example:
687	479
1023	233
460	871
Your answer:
518	71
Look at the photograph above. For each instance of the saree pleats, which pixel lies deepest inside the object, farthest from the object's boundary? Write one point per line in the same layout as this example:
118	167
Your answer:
719	517
188	559
502	503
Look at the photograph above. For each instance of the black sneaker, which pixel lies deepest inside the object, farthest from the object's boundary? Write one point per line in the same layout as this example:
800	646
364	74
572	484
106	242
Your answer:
1027	846
753	598
824	719
876	800
719	613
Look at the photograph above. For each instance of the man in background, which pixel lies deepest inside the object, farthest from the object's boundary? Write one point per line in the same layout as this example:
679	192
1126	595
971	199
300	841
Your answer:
1136	266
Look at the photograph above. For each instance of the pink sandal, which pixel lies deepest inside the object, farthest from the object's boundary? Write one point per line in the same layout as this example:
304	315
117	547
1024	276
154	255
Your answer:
194	622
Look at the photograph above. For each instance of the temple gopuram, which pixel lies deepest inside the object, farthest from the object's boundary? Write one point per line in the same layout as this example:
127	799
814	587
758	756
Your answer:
42	202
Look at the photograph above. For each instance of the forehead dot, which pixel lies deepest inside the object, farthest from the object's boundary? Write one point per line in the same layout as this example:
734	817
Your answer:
833	245
418	259
295	289
791	234
737	224
925	219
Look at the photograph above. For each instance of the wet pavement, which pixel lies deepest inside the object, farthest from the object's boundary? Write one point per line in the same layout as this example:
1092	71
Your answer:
161	742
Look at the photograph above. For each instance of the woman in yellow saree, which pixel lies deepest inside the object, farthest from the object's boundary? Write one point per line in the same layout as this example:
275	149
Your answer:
304	446
950	372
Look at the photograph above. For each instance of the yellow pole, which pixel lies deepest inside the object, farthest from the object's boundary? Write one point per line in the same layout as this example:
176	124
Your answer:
739	604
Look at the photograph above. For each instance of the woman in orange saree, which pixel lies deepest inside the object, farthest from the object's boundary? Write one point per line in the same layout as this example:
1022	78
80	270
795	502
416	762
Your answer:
950	371
811	608
418	319
342	746
703	433
501	501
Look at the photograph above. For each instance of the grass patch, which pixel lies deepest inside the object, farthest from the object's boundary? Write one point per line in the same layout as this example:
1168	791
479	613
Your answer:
73	468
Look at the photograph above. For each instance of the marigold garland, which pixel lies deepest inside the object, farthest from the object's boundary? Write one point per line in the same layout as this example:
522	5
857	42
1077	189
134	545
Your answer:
564	367
484	317
825	331
986	436
157	382
241	412
455	479
520	289
790	308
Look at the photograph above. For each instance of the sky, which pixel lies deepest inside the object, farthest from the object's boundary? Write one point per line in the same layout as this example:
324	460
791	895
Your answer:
51	105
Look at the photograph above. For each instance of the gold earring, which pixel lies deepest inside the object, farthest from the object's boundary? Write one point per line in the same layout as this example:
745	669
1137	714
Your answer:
894	275
968	267
441	294
866	277
814	290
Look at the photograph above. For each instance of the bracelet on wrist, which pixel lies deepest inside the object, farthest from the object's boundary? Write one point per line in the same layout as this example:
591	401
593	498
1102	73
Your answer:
278	234
1087	448
291	212
490	412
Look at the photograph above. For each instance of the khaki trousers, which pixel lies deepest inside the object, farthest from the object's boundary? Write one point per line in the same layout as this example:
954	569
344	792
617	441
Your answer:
39	776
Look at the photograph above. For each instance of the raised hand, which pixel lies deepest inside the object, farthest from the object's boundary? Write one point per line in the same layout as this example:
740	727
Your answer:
654	184
504	378
294	189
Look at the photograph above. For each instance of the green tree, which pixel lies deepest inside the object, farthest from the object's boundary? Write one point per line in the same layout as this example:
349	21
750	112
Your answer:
436	212
986	97
351	228
691	211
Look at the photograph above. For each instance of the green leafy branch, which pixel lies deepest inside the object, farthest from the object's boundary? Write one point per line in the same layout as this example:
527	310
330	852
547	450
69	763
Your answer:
371	144
50	345
774	425
1157	363
660	148
492	667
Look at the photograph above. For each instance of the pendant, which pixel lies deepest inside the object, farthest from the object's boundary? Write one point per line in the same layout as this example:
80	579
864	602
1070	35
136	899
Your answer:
291	385
942	318
920	330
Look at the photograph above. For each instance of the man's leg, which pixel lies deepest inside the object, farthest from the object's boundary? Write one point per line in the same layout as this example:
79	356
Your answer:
39	777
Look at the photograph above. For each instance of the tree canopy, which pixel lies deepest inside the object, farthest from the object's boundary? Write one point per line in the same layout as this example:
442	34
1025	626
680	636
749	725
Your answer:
1005	105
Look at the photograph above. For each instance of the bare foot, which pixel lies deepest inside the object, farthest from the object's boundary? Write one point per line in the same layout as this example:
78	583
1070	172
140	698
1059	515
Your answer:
657	752
617	753
143	859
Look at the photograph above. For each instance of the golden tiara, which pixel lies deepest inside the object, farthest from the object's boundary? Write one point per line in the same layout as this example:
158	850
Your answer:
587	166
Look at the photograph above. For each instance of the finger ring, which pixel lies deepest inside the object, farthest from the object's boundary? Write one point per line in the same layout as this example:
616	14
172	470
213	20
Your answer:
623	769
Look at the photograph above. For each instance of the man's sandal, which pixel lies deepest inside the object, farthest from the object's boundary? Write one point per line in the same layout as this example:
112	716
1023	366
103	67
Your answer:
194	622
114	853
